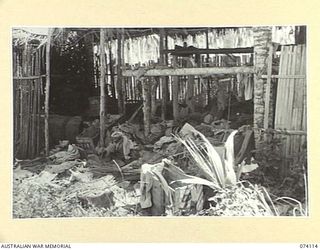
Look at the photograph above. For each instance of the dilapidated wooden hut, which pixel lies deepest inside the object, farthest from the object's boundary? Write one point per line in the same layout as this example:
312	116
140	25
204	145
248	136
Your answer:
166	69
157	107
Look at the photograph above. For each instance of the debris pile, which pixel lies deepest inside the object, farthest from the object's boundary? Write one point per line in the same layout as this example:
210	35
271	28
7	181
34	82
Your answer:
178	170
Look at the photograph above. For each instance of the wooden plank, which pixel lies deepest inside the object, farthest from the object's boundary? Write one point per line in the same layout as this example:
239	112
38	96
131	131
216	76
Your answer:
285	105
102	86
16	116
39	84
297	102
26	116
279	83
33	125
28	121
190	71
304	116
268	89
290	104
301	99
285	91
47	92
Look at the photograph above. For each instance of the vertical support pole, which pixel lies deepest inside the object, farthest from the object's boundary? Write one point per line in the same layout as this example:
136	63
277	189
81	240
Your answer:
113	90
175	92
146	106
163	81
102	86
154	87
268	89
47	93
119	80
262	38
190	90
207	43
123	80
166	56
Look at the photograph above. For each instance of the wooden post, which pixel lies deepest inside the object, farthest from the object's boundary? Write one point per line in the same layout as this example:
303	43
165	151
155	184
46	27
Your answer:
146	106
47	93
154	86
102	86
113	90
175	92
190	90
207	44
268	89
119	80
163	80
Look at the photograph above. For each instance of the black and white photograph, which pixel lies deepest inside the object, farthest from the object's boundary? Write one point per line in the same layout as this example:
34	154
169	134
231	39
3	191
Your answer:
159	121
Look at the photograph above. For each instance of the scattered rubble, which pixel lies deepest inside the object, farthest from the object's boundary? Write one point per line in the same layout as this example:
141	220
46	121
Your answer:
138	175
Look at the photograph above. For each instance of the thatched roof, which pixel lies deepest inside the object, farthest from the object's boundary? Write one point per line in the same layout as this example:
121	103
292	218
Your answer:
23	36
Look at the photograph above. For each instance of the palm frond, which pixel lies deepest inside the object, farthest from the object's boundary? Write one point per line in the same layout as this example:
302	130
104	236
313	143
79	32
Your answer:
215	168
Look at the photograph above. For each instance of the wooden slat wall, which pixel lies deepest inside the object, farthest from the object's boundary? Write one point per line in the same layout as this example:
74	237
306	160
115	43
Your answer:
291	101
28	135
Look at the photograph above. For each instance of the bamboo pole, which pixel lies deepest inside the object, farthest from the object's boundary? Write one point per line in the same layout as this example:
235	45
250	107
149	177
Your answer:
247	50
119	82
38	101
175	92
163	82
190	71
113	90
190	90
154	86
285	76
47	93
207	44
122	79
146	106
102	86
